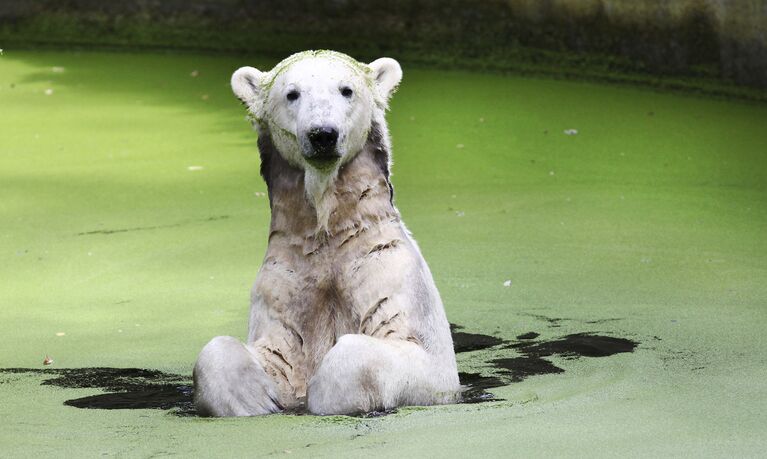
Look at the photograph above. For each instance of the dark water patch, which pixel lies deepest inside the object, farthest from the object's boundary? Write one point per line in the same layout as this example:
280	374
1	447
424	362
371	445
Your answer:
577	345
517	369
476	385
136	388
111	379
127	388
467	342
164	398
528	335
529	356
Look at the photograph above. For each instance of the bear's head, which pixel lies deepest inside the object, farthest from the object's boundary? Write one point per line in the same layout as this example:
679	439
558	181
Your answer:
318	107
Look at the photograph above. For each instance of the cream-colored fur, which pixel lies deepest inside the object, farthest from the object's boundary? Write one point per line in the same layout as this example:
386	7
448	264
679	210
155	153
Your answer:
345	317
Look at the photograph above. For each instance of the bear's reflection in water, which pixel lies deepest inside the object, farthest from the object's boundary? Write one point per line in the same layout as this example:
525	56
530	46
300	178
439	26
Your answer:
134	388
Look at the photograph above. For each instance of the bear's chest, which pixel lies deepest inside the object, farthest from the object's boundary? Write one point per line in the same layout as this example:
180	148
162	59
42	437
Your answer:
329	292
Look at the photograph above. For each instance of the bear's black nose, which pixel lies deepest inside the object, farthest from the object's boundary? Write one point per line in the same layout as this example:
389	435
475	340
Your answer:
323	140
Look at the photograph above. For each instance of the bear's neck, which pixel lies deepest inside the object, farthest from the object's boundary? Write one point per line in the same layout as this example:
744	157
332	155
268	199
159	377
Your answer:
312	213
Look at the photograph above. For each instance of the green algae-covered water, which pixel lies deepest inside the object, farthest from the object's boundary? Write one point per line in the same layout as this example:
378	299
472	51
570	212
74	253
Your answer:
133	222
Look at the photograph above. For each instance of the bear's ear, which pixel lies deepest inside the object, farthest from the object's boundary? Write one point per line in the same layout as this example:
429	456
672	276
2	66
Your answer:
247	85
387	74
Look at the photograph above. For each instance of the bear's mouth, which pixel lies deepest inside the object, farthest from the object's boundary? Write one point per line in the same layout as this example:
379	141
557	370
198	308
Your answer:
324	162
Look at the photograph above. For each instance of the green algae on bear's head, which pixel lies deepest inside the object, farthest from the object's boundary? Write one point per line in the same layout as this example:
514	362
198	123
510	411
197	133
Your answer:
284	131
359	67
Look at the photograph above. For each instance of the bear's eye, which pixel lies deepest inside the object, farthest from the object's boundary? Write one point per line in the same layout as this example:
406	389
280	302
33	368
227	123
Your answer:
346	91
293	95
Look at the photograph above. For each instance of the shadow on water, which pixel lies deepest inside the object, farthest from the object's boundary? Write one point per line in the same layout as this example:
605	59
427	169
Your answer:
135	388
530	360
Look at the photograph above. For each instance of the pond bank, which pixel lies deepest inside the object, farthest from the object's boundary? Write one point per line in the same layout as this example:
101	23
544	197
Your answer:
705	45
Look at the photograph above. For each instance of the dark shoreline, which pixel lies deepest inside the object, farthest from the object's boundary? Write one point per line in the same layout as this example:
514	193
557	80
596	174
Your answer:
702	48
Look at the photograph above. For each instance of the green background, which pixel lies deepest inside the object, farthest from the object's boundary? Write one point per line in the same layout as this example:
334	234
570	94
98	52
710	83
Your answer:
648	224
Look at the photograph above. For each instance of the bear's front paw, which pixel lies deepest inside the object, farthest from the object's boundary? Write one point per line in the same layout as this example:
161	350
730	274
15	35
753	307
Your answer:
348	381
229	381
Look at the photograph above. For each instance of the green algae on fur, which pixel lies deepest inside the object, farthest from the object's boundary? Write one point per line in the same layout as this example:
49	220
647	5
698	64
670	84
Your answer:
360	68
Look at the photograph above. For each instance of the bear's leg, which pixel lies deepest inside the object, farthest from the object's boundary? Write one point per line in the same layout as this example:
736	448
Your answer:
362	374
230	381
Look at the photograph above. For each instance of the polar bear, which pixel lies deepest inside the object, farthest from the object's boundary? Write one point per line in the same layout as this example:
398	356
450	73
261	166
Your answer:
345	317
